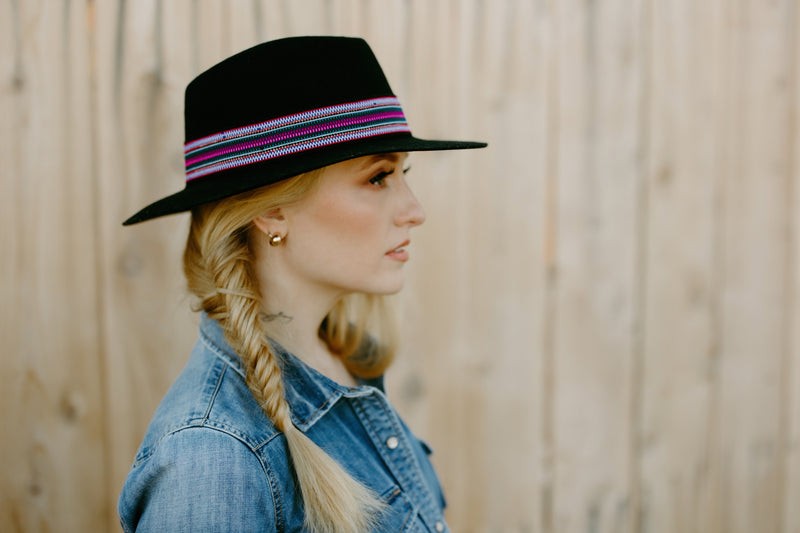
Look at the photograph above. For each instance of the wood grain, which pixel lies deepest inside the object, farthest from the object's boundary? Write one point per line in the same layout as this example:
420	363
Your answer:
680	378
595	270
790	402
754	262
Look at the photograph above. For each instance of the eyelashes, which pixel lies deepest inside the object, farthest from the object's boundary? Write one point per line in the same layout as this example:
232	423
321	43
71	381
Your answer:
380	177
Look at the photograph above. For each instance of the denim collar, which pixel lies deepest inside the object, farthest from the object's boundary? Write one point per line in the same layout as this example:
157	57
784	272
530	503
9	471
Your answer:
309	393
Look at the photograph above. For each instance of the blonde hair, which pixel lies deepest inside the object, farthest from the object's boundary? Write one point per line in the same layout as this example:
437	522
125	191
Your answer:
218	263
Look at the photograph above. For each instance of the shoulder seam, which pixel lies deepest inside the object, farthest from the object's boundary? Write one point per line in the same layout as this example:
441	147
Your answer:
274	490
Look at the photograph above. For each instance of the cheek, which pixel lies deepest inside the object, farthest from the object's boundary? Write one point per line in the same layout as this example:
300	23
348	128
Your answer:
341	228
347	221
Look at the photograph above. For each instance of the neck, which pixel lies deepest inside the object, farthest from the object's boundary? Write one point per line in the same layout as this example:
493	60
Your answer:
294	321
292	316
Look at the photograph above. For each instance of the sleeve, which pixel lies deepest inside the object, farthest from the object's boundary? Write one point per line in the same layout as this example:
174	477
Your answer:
199	479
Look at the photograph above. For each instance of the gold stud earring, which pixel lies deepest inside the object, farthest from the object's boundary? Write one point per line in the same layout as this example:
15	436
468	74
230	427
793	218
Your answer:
275	239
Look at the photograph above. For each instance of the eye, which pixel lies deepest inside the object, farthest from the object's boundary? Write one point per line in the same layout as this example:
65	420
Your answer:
380	178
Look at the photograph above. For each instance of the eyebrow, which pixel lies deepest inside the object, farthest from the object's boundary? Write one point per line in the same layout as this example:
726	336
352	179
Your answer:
391	156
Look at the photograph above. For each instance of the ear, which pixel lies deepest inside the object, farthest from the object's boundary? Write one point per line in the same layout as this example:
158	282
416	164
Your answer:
271	221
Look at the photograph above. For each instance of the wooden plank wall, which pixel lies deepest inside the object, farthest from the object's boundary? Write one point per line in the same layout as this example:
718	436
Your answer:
603	310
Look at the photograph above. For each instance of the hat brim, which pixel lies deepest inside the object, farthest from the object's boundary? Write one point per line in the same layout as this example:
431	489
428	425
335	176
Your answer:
235	181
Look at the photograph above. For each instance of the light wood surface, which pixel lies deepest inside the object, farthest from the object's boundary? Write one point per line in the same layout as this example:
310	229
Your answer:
602	314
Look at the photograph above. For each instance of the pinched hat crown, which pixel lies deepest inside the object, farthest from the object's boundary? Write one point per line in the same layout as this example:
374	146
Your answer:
282	108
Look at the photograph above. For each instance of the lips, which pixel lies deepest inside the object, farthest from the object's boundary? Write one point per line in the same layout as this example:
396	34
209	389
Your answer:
399	248
399	253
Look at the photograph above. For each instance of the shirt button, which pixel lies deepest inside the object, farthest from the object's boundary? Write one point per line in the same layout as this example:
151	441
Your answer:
439	527
392	443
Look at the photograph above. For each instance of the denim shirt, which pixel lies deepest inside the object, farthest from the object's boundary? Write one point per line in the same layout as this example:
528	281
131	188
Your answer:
211	460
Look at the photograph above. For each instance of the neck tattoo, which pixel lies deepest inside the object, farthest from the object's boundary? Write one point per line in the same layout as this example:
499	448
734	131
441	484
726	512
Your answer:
272	317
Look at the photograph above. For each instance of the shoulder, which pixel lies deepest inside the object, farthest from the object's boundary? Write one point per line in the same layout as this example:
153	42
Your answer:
210	460
210	392
204	478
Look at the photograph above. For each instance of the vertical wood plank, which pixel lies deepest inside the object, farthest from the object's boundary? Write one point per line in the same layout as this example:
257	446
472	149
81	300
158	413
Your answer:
346	17
243	25
679	375
304	18
273	18
50	387
210	37
754	267
512	66
791	371
596	299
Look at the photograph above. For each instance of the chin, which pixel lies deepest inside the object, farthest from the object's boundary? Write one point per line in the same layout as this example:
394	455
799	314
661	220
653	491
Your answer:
393	291
388	291
388	288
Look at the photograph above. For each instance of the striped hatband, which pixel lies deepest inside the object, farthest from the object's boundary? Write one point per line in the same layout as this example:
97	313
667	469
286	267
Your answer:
292	134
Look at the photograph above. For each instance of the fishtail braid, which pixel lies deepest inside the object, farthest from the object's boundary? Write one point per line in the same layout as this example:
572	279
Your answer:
230	264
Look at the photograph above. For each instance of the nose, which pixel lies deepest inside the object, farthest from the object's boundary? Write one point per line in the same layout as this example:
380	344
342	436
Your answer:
410	211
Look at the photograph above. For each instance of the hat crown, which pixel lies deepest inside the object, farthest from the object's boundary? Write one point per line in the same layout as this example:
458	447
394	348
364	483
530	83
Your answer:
281	78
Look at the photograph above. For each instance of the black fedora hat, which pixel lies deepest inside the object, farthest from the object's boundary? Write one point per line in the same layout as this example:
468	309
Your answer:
282	108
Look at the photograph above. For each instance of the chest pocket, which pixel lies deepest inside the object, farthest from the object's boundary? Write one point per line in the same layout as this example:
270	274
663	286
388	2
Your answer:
401	516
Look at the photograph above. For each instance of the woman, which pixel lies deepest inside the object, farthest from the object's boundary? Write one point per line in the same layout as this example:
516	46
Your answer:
300	215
